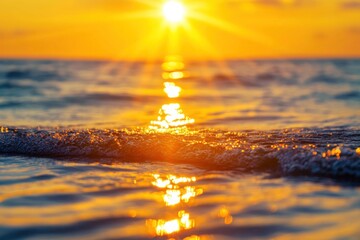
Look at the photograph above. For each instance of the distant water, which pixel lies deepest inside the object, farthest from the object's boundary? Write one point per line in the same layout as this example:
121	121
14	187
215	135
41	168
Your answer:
274	151
232	95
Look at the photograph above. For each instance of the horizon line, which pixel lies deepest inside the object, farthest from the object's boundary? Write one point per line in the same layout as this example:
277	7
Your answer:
87	59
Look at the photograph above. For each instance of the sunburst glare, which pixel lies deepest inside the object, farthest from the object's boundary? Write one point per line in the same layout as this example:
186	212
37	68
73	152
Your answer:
174	11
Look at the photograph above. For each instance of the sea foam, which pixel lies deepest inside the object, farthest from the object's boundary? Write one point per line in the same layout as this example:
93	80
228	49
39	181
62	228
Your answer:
330	152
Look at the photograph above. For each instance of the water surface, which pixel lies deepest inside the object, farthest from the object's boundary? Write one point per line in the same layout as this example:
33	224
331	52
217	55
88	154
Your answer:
174	150
56	199
231	95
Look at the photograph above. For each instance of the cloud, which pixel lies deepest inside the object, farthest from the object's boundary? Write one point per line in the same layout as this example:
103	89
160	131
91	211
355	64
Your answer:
354	29
351	5
116	5
273	3
16	33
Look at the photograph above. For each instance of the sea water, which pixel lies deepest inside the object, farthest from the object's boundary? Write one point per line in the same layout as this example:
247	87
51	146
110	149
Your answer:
266	149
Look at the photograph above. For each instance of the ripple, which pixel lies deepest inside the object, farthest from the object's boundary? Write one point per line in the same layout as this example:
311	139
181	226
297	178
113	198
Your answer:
87	226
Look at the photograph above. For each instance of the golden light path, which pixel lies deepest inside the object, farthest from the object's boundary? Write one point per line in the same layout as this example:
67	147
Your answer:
171	116
172	90
177	25
174	194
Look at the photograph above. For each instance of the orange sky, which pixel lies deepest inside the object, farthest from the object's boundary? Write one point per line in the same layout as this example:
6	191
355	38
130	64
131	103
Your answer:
214	29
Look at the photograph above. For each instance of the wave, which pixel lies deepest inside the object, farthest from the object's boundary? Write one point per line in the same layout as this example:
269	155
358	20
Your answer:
91	99
34	75
329	152
352	95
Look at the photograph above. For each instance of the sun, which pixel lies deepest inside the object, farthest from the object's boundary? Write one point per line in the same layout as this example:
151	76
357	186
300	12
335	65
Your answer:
174	11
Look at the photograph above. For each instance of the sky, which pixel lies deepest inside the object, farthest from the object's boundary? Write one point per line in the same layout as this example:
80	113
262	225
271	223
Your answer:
212	29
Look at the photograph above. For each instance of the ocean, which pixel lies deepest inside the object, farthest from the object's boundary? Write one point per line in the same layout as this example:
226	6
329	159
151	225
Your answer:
237	149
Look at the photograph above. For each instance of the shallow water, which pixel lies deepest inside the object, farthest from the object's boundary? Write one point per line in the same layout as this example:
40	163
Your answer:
250	150
54	199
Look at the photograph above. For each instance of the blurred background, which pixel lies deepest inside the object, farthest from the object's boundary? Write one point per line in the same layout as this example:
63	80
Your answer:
234	64
213	29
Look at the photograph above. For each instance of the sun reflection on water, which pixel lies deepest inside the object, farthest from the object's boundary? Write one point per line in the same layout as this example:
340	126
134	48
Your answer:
175	194
171	115
172	64
163	227
172	90
173	75
176	190
225	213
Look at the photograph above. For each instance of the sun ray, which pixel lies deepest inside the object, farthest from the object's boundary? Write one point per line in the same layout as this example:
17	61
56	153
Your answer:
156	40
228	27
206	46
151	14
150	3
178	16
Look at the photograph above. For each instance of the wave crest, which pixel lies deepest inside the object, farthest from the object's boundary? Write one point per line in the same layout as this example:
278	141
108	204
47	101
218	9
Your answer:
314	152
